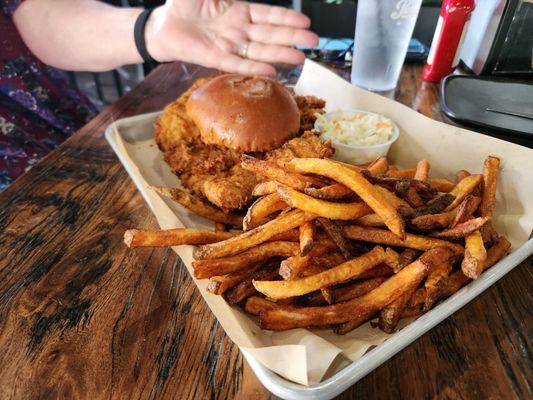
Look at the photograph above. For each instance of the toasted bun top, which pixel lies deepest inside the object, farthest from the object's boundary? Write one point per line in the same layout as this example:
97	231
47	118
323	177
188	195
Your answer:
244	113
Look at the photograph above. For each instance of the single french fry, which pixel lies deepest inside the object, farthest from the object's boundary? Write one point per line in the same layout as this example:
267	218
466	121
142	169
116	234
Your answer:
335	191
292	235
447	218
355	289
246	288
172	237
265	188
307	237
328	260
199	207
366	305
441	184
392	258
475	255
401	173
435	281
334	231
458	279
219	227
381	236
221	266
422	170
391	314
463	189
261	209
254	237
348	270
379	166
488	197
272	171
378	271
256	305
221	284
291	267
464	211
323	208
370	220
462	230
356	182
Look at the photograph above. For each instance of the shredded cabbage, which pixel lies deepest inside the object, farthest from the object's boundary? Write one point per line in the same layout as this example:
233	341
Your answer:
358	129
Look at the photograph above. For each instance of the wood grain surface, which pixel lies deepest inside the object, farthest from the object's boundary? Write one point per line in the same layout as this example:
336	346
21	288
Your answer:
81	316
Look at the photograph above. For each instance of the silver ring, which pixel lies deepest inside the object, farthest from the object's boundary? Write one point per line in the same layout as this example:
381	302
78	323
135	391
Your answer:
244	50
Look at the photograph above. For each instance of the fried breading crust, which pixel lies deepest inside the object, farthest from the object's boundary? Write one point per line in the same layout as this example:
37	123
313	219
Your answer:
214	172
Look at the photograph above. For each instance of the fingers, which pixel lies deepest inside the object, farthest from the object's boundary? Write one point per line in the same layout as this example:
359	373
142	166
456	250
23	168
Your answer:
263	14
236	64
281	35
274	54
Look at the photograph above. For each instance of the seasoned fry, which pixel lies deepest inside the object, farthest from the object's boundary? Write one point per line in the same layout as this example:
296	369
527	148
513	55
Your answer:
490	180
356	182
422	170
378	166
336	234
381	236
463	212
220	284
246	288
329	260
436	279
323	208
366	305
256	305
291	267
220	266
475	255
463	189
292	235
336	191
376	272
261	209
392	258
463	229
401	173
265	188
198	207
172	237
370	220
307	237
391	315
355	289
254	237
446	219
270	170
348	270
441	184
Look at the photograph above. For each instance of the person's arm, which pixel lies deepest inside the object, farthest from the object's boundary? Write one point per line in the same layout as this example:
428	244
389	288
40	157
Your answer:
78	34
232	36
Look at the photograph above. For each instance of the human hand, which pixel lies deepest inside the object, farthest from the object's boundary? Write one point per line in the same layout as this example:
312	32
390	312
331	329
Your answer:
232	36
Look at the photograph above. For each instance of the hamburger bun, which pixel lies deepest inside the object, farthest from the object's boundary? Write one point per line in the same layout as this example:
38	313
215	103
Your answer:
244	113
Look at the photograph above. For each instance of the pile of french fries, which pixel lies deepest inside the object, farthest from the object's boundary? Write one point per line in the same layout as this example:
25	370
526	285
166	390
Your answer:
329	244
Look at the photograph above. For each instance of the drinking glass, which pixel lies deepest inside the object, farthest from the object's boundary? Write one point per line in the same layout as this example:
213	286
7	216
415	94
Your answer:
383	29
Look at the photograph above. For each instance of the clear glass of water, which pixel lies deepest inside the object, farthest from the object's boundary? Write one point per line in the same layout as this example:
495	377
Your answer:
382	32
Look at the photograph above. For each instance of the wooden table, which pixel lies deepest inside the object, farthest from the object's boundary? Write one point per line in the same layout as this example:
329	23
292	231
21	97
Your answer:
81	316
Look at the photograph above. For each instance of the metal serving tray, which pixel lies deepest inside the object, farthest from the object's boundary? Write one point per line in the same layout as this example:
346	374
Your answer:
346	377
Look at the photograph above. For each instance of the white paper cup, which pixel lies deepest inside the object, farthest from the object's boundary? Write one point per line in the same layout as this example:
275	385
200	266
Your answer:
355	154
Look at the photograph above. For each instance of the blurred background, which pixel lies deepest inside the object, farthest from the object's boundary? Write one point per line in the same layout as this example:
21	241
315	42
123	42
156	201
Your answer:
332	20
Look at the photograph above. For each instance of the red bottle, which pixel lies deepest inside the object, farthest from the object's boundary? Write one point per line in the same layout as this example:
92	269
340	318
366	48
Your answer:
448	39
